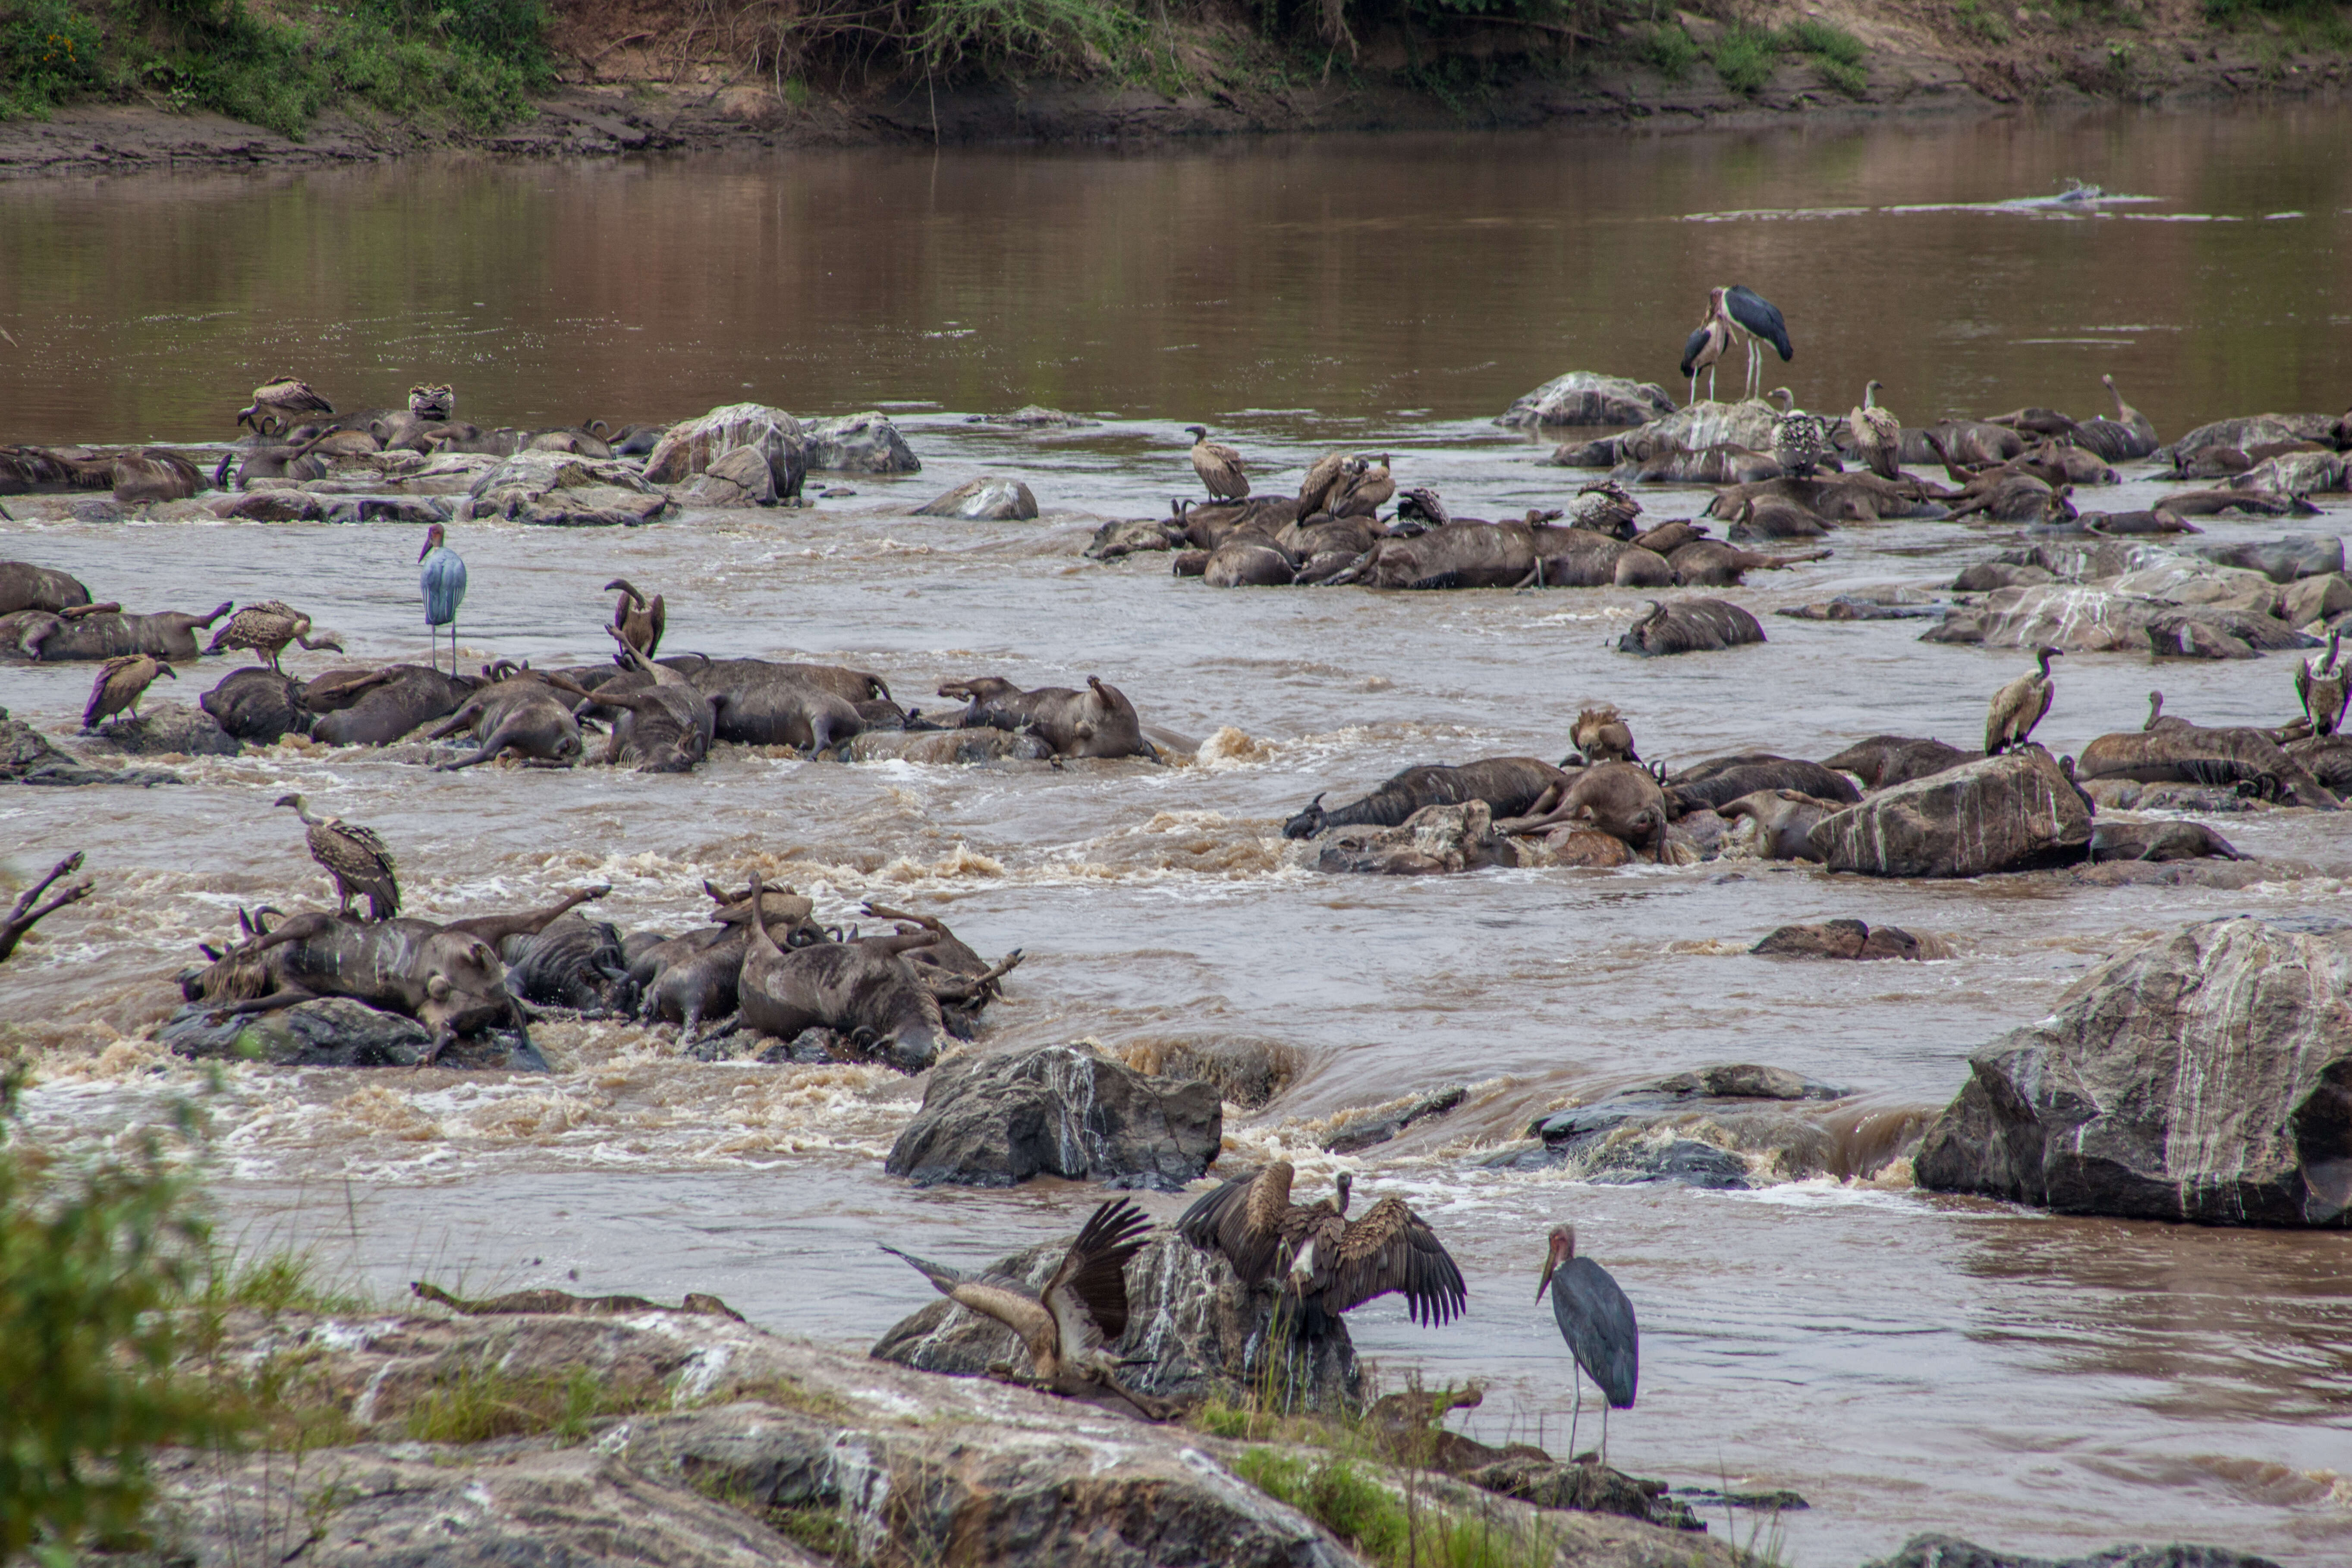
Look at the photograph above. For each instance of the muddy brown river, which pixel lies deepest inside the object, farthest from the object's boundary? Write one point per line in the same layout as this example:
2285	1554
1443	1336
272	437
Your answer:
1904	1362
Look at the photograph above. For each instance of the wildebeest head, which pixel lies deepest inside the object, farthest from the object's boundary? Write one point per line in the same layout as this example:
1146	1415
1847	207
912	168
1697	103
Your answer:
1307	823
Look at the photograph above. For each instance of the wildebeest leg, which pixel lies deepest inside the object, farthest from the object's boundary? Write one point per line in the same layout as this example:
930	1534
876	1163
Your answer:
961	988
500	739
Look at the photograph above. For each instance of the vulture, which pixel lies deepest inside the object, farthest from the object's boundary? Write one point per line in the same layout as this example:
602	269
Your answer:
637	619
1877	435
2325	688
2017	707
1069	1324
1601	735
1320	488
1219	466
1328	1264
121	683
1364	489
358	860
267	627
431	402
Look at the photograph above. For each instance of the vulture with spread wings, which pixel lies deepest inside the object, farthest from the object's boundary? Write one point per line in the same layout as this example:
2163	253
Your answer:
1069	1324
1328	1264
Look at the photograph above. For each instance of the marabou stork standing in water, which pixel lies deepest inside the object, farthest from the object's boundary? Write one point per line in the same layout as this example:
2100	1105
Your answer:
1598	1323
443	585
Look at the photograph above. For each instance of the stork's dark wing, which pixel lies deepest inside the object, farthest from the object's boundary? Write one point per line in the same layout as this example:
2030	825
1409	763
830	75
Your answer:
1242	1219
1392	1249
1093	1273
1597	1322
1690	347
1759	315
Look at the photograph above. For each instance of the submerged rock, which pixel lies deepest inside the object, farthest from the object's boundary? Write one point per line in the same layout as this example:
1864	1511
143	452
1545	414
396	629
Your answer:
1951	1552
28	757
1372	1131
994	1119
1034	417
2015	812
859	443
1583	397
2205	1076
1194	1330
335	1032
984	500
1708	1127
1848	939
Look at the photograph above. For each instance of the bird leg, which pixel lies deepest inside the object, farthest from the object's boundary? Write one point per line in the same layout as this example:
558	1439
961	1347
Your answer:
1576	1380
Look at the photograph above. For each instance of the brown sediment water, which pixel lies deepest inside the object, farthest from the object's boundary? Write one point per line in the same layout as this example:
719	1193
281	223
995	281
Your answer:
1907	1363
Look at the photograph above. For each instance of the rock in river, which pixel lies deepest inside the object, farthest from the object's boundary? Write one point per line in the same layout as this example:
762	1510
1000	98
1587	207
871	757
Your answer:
335	1032
1193	1330
987	499
166	729
859	443
993	1119
2206	1076
1848	939
1581	397
27	756
1951	1552
2015	812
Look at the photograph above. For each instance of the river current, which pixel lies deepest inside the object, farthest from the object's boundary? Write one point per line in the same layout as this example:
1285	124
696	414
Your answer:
1904	1362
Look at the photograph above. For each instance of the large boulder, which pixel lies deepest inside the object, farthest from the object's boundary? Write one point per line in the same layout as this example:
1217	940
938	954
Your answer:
692	447
2016	811
987	499
1710	424
2075	618
2205	1076
27	756
742	476
165	728
993	1119
859	443
561	488
1582	397
1193	1330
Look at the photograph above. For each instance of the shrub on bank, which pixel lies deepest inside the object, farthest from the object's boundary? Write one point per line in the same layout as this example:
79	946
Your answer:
473	62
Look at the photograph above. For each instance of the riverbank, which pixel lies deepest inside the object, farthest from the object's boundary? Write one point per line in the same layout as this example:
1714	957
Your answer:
637	84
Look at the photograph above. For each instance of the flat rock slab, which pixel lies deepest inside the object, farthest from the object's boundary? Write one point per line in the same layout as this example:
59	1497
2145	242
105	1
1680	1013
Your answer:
28	757
984	500
335	1032
1951	1552
165	728
994	1119
2206	1076
2016	811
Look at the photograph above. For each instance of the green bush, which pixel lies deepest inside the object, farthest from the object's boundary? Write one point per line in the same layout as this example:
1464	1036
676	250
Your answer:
1744	57
1824	42
91	1258
49	52
1670	50
1988	24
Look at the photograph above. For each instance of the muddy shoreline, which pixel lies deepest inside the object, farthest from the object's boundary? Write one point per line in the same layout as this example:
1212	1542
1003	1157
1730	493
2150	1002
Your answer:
598	120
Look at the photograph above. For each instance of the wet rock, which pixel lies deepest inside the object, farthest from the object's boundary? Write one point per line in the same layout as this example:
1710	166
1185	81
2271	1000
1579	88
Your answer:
1986	575
984	500
1708	1127
2252	430
1600	454
2205	1076
336	1031
165	728
1951	1552
2075	618
1777	1500
993	1119
1582	397
1734	1080
1585	848
1848	939
950	747
2015	812
2283	561
2159	841
1856	607
27	756
2217	631
2293	474
694	446
1247	1071
390	508
278	504
1370	1132
1193	1327
1588	1488
2315	599
740	477
1707	423
598	506
1034	417
544	487
859	443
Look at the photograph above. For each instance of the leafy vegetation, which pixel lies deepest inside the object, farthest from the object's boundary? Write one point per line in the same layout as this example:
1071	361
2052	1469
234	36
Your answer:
1983	21
1669	49
1744	57
469	61
91	1254
486	1402
1385	1526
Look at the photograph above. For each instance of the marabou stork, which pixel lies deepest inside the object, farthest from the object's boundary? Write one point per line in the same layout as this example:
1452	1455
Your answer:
443	585
1598	1323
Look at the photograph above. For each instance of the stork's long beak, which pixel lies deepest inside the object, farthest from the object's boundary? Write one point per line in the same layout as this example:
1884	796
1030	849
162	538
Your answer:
1545	1283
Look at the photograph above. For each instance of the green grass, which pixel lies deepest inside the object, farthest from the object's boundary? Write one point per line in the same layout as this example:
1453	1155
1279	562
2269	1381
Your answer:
1982	21
1669	49
473	62
1744	57
1389	1529
1825	42
486	1402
